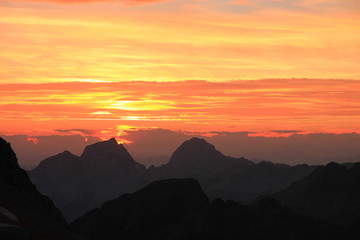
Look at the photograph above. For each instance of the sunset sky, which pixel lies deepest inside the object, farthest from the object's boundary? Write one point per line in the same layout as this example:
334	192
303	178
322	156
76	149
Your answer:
103	68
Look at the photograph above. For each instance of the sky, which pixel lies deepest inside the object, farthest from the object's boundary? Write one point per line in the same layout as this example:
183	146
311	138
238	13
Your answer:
104	68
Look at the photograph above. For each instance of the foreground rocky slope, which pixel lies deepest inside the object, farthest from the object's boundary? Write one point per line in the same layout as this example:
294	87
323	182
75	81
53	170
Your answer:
24	212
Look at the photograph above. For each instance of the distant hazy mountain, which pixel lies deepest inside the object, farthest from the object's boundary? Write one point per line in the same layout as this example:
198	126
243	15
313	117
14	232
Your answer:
331	192
77	184
24	212
226	177
179	209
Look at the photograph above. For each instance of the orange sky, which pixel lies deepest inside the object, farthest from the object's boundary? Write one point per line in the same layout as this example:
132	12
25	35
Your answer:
106	109
148	50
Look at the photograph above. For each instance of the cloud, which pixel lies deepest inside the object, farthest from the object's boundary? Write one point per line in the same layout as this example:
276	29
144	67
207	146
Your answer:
127	2
84	131
124	2
251	106
286	131
33	140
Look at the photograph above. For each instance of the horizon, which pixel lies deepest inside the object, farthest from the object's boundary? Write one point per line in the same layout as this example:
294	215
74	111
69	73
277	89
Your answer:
294	149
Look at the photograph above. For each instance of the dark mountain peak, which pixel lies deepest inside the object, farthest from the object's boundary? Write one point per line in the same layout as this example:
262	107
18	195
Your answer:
108	145
332	165
7	155
198	143
166	208
332	169
195	150
171	189
67	153
64	160
107	149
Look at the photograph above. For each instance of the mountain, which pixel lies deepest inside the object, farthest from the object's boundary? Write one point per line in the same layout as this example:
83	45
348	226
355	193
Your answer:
24	212
331	193
198	157
77	184
226	177
105	170
179	209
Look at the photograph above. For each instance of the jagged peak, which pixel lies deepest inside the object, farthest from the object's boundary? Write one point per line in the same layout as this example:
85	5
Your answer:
7	155
106	150
110	145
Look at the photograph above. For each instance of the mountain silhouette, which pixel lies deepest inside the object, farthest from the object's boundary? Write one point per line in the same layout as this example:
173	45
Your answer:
77	184
226	177
179	209
331	193
24	212
167	207
105	170
198	157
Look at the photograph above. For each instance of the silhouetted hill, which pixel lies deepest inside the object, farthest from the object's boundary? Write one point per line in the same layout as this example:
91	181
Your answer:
77	184
331	192
198	157
24	212
226	177
167	209
178	209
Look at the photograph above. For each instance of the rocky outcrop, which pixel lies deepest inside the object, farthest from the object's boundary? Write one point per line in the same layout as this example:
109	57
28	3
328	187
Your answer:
24	212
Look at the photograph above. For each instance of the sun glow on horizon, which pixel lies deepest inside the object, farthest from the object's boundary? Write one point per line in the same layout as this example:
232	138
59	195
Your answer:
254	106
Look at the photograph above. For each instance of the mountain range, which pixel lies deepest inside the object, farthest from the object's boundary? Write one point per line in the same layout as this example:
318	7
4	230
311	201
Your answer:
106	170
321	205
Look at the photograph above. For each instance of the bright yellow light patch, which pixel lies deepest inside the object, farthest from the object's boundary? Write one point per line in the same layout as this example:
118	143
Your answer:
147	105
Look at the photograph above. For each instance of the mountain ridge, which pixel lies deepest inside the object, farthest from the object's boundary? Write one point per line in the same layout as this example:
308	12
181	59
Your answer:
330	193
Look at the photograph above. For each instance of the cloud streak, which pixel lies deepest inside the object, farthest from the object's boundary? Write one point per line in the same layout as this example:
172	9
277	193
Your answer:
309	105
127	2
